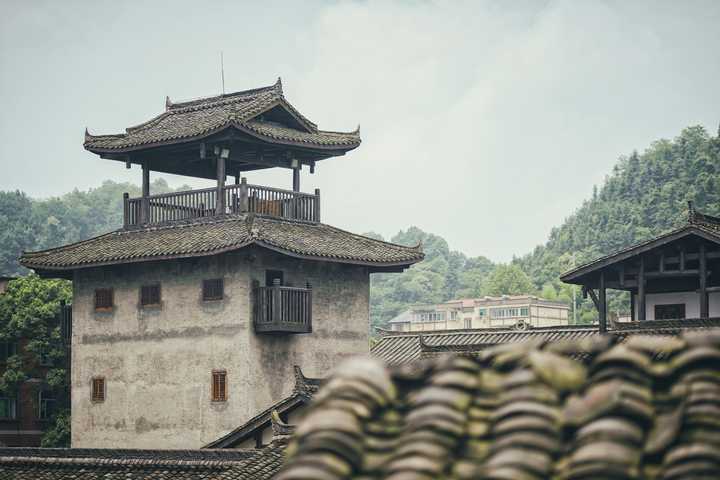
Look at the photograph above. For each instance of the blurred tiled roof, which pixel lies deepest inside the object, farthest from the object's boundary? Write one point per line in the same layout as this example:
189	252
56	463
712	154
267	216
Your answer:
218	235
118	464
202	117
402	347
592	408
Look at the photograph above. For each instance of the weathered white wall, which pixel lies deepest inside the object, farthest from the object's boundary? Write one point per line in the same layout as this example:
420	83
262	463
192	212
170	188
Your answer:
690	299
158	362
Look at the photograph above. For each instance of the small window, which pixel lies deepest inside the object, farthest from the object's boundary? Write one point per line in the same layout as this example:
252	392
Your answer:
46	405
150	295
675	311
219	386
524	311
44	358
468	323
213	289
8	407
482	312
98	389
103	299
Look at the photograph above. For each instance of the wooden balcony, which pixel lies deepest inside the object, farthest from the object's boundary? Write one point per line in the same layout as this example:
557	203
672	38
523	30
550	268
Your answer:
282	310
234	199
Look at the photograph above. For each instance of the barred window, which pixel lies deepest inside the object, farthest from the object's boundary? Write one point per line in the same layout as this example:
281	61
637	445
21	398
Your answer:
219	385
213	289
150	295
103	298
98	389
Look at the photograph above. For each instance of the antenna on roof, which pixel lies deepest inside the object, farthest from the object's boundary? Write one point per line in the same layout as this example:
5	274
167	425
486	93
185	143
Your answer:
222	72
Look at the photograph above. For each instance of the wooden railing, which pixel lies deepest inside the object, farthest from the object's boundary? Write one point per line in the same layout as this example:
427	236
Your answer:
279	309
241	198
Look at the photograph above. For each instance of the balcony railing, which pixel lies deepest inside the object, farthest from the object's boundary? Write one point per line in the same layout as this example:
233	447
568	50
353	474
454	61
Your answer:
281	309
242	198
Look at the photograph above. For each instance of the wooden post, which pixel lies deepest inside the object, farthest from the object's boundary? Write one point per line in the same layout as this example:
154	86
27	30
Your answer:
145	210
220	200
602	304
296	179
126	209
641	290
308	310
704	310
243	195
317	205
276	301
632	306
237	178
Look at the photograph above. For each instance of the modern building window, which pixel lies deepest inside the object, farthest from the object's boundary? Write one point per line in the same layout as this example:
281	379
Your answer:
98	389
47	404
453	315
424	317
7	350
44	358
213	289
508	312
8	407
525	311
150	295
103	299
482	312
468	323
674	311
219	385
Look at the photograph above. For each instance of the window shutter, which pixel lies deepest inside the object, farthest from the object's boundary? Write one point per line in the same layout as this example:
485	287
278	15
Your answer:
98	389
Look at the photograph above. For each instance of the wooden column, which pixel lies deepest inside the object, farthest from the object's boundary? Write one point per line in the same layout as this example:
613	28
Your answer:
641	289
704	310
220	201
317	205
243	195
632	306
296	179
145	193
602	304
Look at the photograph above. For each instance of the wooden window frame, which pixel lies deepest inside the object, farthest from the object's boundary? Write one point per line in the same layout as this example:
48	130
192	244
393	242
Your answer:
111	295
98	390
143	296
218	386
208	285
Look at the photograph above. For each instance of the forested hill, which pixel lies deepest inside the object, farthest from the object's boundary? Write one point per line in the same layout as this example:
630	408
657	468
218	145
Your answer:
644	195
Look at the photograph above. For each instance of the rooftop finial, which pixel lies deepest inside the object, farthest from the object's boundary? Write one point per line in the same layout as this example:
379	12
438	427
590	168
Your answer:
87	134
278	85
168	103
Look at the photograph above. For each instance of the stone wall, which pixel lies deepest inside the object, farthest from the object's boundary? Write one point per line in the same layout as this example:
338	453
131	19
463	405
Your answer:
157	362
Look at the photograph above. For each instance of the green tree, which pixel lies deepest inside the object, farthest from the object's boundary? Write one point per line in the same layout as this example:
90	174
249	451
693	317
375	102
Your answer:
28	315
508	280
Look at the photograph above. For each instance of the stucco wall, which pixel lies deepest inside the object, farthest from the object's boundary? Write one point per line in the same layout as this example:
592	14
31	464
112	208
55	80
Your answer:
158	362
690	299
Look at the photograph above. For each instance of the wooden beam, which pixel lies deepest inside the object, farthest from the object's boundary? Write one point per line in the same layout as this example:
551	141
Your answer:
602	317
704	309
641	289
632	306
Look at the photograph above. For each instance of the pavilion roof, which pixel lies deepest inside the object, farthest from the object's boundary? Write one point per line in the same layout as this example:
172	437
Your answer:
643	408
197	119
222	234
702	225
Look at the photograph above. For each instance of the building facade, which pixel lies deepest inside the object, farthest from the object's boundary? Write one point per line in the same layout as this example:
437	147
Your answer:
487	312
189	319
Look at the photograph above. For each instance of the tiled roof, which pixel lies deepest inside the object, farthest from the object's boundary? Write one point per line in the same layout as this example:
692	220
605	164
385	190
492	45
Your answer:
405	347
697	223
302	392
118	464
200	118
593	408
213	236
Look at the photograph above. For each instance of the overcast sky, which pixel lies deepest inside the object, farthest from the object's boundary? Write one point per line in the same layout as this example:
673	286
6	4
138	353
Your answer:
485	122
